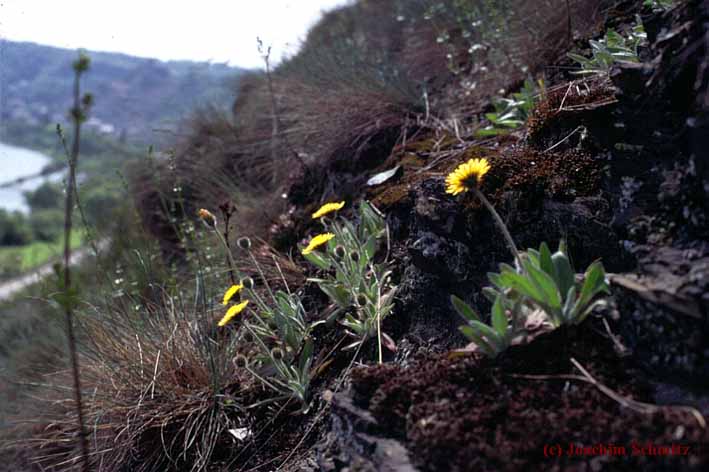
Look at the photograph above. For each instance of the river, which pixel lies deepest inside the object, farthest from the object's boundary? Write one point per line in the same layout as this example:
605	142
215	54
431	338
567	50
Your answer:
16	162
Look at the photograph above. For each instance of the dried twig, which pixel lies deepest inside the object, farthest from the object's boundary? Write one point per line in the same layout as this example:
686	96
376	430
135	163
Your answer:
640	407
578	128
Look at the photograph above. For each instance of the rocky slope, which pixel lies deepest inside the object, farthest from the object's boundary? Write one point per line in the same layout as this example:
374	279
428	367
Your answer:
630	189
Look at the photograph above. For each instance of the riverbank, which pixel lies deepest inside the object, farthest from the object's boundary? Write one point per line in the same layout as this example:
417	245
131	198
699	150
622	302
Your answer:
20	163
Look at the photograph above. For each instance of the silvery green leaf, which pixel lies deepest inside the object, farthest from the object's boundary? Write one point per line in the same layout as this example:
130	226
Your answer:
588	310
489	131
533	255
479	341
317	260
491	336
464	309
490	293
370	247
499	320
388	297
569	303
336	293
545	283
545	262
306	358
523	285
594	282
566	276
496	280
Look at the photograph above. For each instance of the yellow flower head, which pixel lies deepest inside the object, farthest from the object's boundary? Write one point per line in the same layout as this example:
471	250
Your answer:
232	312
233	290
328	208
316	242
466	176
207	216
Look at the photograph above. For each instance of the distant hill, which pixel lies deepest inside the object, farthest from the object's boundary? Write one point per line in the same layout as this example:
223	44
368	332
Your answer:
133	96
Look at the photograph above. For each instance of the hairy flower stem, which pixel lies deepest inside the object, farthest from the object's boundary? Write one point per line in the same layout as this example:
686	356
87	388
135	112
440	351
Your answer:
229	257
379	323
68	300
379	313
225	241
501	225
263	276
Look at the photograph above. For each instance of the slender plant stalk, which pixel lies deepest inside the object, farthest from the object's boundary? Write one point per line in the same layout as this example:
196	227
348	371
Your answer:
68	300
227	211
501	225
379	314
80	207
274	112
276	133
263	276
230	259
379	323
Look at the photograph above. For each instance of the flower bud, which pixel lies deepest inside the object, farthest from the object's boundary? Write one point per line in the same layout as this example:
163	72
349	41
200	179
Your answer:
247	282
354	255
82	63
339	251
361	300
207	218
241	361
244	243
87	100
277	353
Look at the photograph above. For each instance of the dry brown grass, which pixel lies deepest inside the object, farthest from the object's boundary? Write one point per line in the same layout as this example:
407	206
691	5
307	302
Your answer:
361	74
161	393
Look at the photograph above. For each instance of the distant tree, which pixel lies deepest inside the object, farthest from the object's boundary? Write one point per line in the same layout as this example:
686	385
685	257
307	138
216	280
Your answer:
100	203
45	197
14	230
47	224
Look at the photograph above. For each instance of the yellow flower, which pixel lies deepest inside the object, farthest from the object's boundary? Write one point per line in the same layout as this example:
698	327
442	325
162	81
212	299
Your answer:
232	312
233	290
317	241
328	208
466	176
207	216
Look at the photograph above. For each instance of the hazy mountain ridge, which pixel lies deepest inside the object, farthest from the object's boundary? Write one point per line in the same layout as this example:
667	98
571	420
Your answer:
133	95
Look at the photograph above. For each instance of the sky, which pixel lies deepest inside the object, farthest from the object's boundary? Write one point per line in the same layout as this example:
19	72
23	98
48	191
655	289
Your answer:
201	30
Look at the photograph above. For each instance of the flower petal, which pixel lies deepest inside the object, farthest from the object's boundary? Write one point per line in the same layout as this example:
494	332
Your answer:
232	312
233	290
328	208
316	242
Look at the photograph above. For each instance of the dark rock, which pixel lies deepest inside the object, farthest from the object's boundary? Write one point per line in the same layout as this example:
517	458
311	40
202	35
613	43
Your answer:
353	444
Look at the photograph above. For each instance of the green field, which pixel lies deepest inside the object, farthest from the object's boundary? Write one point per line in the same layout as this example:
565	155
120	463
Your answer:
15	260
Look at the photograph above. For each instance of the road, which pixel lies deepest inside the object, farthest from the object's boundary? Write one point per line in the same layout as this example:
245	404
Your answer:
13	286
